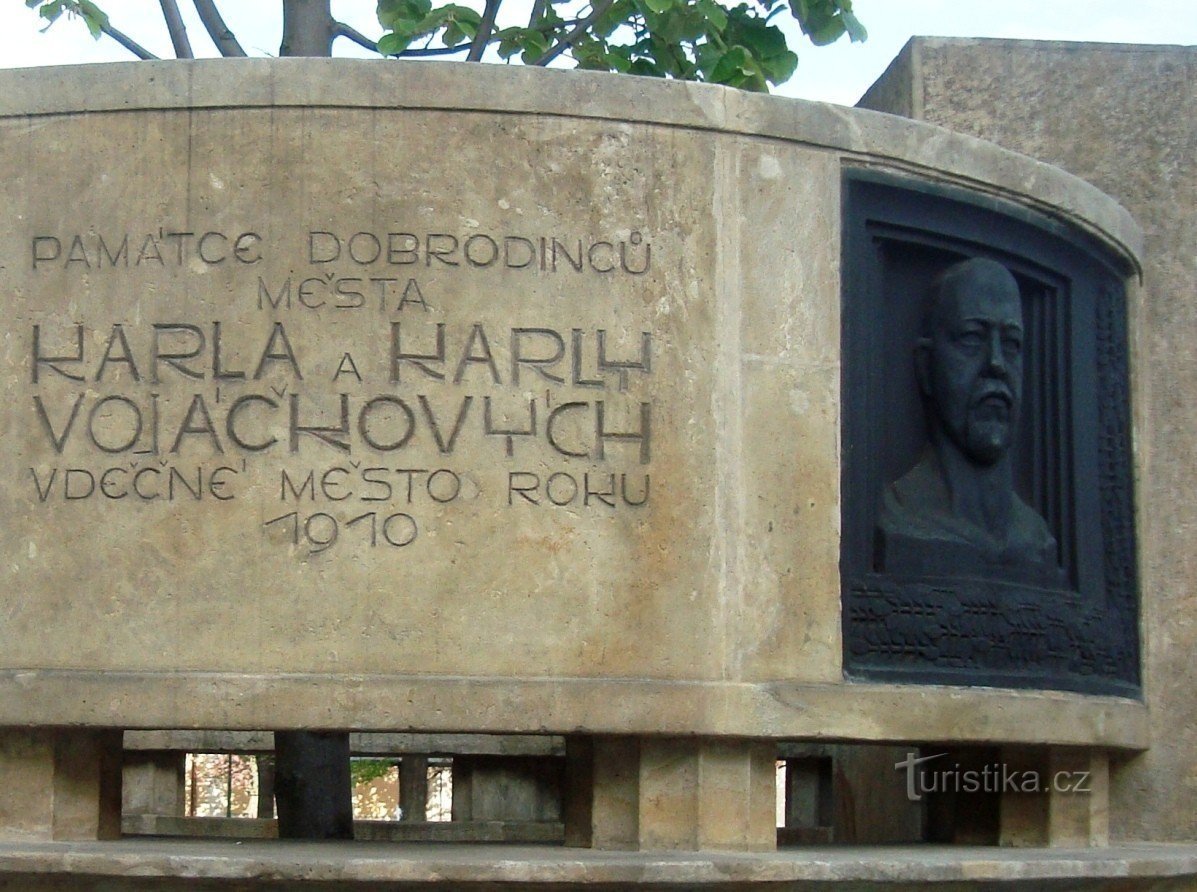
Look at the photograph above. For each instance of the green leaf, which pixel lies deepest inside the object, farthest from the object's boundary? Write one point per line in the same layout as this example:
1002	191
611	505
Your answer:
713	13
590	55
856	31
391	12
393	44
659	6
618	63
528	41
780	68
738	68
51	11
646	68
94	17
665	54
617	14
463	16
706	57
825	21
733	63
750	30
363	771
535	45
402	14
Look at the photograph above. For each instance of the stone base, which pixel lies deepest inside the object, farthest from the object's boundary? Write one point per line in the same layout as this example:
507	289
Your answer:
198	865
60	784
671	794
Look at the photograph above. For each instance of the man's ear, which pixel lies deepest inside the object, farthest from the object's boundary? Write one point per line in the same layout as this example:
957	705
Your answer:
922	365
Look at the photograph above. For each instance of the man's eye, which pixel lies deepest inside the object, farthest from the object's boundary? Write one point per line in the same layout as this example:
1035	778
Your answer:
1011	346
970	339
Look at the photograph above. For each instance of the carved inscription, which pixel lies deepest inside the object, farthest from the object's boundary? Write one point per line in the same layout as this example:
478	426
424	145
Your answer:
339	440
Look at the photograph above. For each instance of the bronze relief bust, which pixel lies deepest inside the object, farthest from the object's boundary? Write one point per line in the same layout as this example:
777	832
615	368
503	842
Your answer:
956	510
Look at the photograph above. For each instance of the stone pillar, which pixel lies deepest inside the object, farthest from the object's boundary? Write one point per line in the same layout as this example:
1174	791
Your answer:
60	784
684	794
413	787
602	792
810	802
870	805
506	788
1063	798
153	782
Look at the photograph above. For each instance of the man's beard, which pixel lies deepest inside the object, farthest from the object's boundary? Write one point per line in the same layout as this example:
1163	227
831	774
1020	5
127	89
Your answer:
989	424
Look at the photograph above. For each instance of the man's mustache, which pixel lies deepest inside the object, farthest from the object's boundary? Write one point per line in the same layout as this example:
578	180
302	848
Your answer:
994	390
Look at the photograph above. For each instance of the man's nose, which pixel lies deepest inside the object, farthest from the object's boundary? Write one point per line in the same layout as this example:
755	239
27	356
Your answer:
996	359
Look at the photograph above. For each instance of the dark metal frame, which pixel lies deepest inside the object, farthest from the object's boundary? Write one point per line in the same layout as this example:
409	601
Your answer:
1073	464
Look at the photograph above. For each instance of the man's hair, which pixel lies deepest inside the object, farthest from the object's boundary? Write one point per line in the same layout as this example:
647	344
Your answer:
971	272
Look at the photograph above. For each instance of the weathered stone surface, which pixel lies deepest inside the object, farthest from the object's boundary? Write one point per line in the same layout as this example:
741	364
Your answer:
866	712
526	832
706	795
1122	118
153	782
60	784
602	793
145	865
1071	807
360	744
280	602
502	788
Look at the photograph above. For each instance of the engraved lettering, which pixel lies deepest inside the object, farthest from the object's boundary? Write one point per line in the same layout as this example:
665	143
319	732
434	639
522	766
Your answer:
52	362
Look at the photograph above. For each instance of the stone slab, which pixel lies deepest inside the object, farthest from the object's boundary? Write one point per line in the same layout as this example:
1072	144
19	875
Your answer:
865	712
175	864
526	832
359	744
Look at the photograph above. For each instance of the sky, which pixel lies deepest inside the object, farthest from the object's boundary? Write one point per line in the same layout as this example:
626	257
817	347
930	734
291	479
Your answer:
838	73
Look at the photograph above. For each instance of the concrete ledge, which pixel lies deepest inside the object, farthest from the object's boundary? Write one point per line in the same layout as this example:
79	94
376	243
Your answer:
360	744
850	711
207	865
530	832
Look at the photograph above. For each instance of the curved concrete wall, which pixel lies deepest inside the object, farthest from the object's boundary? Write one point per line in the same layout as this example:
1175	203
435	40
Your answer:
413	396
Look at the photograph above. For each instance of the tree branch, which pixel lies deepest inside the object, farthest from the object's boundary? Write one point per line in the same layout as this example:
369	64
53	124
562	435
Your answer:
307	28
127	42
485	28
537	13
178	31
436	50
599	7
340	29
224	38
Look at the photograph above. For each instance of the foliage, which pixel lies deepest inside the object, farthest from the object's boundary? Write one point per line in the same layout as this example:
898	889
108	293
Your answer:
702	40
364	771
92	16
375	784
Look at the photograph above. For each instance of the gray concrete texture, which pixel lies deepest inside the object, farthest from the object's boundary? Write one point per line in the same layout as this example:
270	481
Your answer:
195	864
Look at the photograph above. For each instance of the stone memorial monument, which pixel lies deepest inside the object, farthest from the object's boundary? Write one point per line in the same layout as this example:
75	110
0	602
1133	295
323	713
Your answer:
679	422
